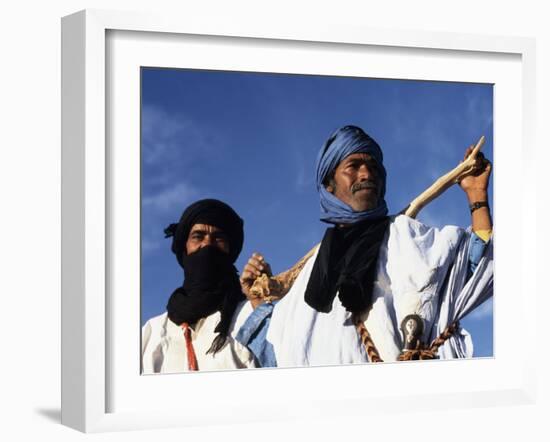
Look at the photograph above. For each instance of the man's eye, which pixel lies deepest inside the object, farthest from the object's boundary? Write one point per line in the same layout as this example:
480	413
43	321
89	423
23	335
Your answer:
373	167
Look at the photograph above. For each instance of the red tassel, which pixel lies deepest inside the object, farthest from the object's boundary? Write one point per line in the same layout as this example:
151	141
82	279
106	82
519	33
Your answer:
191	357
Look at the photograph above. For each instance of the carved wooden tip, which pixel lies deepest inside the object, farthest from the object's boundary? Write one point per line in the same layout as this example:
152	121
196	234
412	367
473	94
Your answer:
478	147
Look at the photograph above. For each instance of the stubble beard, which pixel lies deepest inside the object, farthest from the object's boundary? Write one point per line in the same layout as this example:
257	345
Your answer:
368	196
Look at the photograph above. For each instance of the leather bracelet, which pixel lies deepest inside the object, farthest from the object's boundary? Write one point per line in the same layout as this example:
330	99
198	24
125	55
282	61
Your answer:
478	205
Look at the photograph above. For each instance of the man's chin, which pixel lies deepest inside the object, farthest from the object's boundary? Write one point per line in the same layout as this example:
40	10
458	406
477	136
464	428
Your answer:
364	206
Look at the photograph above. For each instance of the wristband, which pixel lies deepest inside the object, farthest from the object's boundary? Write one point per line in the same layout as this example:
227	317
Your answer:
478	205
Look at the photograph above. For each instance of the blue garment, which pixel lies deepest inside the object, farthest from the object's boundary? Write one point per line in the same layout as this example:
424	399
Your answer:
253	333
475	252
342	143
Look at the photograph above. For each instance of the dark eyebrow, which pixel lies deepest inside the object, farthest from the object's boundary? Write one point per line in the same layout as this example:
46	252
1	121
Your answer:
368	160
218	233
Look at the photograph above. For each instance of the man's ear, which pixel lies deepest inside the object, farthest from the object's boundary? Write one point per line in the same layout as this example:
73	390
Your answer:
330	185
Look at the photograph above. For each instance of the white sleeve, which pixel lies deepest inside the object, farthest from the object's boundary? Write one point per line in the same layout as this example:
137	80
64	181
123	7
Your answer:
460	296
146	366
151	349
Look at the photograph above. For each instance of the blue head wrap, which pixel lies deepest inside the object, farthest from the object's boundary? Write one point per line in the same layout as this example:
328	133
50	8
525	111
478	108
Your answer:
342	143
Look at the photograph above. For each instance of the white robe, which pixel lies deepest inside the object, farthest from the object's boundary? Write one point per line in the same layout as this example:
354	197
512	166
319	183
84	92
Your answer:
164	349
420	270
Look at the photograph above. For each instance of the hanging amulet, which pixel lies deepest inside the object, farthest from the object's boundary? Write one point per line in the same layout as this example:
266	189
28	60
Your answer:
412	328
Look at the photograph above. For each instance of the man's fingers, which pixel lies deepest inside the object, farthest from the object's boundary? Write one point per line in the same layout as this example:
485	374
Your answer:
255	266
487	166
480	158
482	164
257	256
249	273
267	269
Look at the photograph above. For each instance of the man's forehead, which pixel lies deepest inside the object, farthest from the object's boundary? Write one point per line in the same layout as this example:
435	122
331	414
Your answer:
359	156
205	228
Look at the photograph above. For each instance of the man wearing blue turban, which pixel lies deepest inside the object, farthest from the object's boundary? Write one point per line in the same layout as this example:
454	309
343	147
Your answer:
379	287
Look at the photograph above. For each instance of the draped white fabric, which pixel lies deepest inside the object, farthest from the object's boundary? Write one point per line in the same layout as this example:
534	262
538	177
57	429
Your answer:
420	270
164	350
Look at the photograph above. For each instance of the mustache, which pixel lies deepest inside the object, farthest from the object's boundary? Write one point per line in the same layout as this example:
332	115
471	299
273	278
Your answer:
368	184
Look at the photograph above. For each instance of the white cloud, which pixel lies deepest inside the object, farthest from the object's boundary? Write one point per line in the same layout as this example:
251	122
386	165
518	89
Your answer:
304	181
166	135
149	245
479	111
159	210
159	133
170	143
172	198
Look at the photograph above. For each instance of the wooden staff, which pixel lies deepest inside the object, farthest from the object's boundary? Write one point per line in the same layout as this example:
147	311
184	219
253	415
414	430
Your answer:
275	287
445	182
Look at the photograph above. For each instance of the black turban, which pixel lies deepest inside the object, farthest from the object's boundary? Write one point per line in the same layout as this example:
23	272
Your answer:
214	213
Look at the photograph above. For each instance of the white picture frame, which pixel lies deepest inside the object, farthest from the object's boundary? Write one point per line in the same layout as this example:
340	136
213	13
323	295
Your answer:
86	210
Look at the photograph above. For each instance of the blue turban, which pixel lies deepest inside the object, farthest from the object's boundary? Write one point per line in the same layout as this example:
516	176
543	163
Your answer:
342	143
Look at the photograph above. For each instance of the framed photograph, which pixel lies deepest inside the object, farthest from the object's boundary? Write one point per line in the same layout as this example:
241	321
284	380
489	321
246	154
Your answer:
254	105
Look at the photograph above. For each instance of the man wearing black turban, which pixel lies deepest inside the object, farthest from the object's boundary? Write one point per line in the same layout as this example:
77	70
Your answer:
195	332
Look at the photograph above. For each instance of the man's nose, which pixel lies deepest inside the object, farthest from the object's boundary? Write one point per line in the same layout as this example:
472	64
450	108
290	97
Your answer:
364	173
207	241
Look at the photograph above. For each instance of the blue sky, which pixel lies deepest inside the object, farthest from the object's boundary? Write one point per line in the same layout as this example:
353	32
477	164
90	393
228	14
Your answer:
251	140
